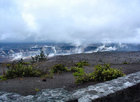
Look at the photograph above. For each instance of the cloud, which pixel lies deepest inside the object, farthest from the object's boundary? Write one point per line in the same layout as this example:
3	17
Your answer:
84	21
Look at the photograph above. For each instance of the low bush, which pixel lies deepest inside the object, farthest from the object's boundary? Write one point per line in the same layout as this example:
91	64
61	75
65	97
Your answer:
3	77
101	73
59	68
37	90
75	69
105	72
81	64
39	58
80	75
21	70
84	78
78	72
125	62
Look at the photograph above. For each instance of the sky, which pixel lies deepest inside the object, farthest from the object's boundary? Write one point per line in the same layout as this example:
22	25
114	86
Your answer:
72	21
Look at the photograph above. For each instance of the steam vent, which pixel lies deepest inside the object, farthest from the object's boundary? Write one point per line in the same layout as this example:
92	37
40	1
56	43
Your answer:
123	89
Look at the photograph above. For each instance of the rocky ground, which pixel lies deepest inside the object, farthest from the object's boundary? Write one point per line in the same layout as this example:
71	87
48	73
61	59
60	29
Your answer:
26	86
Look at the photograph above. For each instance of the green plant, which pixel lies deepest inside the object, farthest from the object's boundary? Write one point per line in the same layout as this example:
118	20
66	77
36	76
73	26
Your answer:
59	68
81	64
42	56
37	90
39	58
80	75
105	72
3	77
101	73
125	62
78	72
74	69
21	70
83	78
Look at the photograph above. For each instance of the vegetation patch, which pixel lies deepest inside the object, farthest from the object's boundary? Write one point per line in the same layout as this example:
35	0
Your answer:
80	75
21	69
83	78
101	73
37	90
81	64
25	69
125	62
39	58
75	69
59	68
79	72
3	78
105	73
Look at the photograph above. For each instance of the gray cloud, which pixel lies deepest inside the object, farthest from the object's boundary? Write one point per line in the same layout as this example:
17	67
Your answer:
82	21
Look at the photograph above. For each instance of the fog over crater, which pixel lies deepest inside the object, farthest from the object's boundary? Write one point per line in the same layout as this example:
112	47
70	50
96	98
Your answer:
74	21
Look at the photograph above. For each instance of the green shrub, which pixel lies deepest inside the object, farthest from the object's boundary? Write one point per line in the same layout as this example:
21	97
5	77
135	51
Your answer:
79	72
37	90
75	69
125	62
80	75
59	68
21	70
81	64
83	78
3	77
105	72
101	73
39	58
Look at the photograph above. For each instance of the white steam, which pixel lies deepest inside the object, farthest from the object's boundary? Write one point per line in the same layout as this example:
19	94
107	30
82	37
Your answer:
84	21
103	48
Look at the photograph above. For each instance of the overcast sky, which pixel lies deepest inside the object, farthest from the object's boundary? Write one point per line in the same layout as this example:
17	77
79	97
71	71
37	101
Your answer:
80	21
